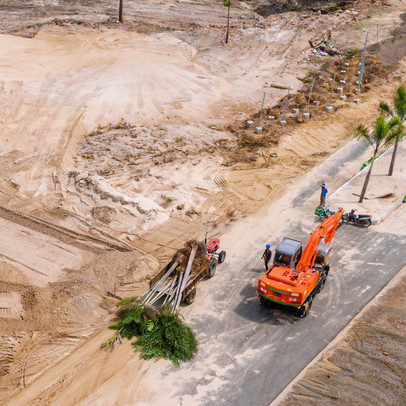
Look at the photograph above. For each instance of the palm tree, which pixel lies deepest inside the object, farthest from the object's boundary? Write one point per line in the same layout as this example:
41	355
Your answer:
400	112
227	4
120	11
381	135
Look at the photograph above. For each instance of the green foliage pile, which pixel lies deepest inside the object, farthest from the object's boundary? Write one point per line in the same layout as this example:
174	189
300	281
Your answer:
159	333
351	53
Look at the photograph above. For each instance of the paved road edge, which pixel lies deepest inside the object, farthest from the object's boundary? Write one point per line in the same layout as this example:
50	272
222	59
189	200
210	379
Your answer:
332	344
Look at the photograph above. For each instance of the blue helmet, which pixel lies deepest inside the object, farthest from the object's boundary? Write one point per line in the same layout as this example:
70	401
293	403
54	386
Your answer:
267	246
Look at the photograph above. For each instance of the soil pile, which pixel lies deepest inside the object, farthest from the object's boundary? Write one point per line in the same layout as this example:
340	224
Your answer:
340	74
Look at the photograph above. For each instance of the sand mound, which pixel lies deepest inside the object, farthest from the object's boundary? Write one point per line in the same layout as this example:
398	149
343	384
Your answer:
62	313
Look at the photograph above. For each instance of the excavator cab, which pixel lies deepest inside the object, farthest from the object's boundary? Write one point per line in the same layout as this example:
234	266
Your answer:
288	253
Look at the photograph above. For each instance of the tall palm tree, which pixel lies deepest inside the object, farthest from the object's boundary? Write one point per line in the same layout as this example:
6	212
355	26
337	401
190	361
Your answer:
400	112
120	11
382	134
227	4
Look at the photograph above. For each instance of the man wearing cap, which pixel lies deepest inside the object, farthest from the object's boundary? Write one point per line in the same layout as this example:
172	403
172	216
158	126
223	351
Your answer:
323	195
267	255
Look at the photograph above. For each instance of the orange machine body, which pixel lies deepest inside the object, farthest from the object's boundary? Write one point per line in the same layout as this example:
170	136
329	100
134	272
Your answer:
293	285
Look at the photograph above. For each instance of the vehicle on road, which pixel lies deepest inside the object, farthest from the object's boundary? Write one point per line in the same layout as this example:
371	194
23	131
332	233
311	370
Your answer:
295	278
213	245
168	279
364	220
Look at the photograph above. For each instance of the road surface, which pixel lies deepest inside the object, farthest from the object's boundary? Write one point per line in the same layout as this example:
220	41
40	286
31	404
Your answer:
249	353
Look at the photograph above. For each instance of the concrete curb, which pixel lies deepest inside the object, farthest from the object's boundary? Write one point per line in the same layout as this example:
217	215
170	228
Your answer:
332	345
386	214
390	210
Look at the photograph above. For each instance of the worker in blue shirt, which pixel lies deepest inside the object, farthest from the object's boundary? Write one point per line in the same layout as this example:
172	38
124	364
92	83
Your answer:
323	195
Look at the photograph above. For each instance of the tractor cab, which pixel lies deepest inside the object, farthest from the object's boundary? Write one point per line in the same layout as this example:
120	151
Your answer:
288	253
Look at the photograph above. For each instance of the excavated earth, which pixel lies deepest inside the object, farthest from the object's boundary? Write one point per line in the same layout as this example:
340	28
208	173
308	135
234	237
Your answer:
118	143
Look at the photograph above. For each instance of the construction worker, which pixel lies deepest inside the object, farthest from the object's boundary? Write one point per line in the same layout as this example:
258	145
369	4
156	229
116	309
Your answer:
267	255
323	195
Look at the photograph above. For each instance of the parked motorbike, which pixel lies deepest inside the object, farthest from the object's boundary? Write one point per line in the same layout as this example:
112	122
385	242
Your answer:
361	219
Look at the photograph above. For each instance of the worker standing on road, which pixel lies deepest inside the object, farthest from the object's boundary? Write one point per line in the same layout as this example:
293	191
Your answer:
323	195
267	255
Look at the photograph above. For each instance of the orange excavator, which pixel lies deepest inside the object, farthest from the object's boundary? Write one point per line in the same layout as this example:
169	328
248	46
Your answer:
295	277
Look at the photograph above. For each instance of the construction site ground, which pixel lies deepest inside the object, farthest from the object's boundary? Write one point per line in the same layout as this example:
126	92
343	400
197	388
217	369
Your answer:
384	192
120	142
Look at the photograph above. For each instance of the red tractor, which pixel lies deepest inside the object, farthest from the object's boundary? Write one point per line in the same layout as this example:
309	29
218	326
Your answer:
213	245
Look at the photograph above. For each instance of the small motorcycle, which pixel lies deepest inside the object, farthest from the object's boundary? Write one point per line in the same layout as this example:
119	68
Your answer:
363	220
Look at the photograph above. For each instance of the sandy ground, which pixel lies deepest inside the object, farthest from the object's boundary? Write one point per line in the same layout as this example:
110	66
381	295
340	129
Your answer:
383	191
137	135
42	324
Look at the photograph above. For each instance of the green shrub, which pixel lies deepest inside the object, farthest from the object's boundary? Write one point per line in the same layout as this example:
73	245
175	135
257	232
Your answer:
159	334
351	53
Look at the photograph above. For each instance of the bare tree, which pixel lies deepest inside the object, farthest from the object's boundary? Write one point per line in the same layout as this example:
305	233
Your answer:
382	134
400	112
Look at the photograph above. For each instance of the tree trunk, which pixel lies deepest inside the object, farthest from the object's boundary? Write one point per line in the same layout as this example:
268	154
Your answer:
228	22
364	188
392	161
120	11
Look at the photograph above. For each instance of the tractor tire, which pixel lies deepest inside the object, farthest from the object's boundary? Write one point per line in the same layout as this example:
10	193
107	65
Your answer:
366	222
212	270
304	310
190	298
222	257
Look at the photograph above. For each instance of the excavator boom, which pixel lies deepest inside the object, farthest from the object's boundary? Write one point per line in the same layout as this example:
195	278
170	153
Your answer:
325	231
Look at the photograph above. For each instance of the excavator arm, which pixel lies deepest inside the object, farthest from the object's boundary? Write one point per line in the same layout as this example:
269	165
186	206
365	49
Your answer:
325	231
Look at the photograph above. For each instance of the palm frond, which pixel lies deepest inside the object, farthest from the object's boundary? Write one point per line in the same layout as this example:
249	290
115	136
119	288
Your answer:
362	133
384	108
395	135
380	129
400	103
159	333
